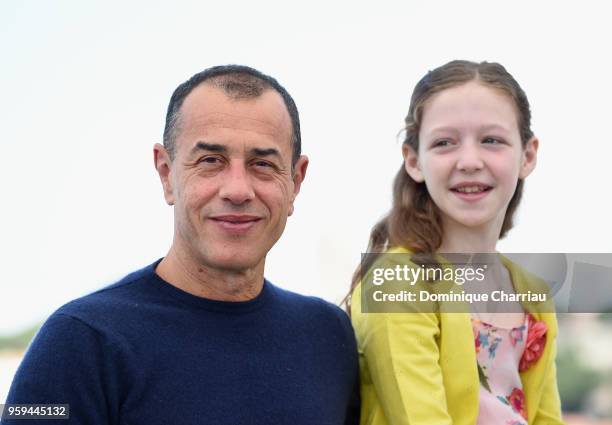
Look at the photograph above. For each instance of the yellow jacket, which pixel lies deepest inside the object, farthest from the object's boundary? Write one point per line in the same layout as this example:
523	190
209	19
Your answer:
420	367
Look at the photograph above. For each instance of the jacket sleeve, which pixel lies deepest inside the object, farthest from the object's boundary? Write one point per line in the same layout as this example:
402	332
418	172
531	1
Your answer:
549	409
402	358
65	364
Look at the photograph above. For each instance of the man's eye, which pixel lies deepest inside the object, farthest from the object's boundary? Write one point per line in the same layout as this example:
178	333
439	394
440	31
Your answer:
491	141
210	160
262	164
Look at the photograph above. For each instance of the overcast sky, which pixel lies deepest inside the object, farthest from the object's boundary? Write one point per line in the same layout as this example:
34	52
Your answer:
84	88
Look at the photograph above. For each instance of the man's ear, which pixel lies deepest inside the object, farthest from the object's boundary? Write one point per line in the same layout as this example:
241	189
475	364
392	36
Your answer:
299	173
163	165
529	157
411	163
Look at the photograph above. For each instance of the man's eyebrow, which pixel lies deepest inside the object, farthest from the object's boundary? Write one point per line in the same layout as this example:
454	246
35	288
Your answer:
211	147
265	152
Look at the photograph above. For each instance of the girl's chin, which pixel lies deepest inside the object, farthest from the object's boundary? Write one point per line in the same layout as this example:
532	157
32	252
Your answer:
472	221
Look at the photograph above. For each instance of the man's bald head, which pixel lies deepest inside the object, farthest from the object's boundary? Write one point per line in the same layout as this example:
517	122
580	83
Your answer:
238	82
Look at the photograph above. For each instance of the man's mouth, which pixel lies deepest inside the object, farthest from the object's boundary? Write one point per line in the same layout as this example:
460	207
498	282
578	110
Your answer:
236	218
236	223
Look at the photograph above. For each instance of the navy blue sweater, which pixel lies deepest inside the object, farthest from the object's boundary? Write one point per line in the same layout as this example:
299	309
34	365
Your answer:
144	352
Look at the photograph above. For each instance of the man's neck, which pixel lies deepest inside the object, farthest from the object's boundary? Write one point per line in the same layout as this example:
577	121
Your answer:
208	282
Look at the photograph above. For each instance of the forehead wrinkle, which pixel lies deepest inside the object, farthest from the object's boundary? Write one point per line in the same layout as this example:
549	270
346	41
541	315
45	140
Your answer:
234	122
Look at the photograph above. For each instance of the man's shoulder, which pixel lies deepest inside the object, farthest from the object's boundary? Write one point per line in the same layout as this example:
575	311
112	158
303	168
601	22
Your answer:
306	301
110	301
311	307
88	344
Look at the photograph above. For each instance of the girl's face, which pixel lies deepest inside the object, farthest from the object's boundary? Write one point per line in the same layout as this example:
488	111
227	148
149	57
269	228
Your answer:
470	154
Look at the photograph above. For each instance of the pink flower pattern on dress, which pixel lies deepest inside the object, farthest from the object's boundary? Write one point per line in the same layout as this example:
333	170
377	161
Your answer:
516	400
516	335
536	341
498	354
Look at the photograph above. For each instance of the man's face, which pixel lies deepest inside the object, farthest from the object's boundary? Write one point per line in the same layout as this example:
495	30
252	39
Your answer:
231	181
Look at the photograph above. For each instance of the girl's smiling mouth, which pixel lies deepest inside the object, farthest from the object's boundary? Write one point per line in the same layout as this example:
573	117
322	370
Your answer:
471	191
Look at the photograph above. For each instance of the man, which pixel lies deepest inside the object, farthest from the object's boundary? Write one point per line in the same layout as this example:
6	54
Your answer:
200	336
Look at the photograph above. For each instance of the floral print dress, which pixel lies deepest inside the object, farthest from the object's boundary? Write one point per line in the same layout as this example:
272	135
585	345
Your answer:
498	353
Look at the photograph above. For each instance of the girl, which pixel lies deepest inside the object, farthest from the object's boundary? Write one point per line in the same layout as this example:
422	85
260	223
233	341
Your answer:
468	148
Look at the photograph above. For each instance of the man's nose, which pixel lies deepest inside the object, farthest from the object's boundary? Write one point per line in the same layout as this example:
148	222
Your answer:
470	157
236	185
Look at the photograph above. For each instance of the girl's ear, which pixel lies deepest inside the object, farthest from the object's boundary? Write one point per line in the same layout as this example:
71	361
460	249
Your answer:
529	157
411	163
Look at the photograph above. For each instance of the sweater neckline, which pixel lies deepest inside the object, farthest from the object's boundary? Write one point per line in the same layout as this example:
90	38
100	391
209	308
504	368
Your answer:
230	307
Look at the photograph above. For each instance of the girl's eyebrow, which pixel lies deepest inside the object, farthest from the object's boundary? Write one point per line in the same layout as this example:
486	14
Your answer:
443	129
493	127
454	130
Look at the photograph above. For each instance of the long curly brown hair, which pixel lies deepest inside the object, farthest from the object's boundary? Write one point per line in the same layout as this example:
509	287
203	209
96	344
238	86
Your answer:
414	220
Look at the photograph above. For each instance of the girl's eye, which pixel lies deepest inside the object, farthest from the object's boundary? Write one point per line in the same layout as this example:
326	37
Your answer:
442	143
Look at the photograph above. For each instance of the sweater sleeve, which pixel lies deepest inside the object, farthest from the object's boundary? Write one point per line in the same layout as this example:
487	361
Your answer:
353	409
66	363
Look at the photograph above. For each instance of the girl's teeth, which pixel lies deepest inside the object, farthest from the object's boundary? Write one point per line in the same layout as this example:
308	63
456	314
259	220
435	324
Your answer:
471	189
